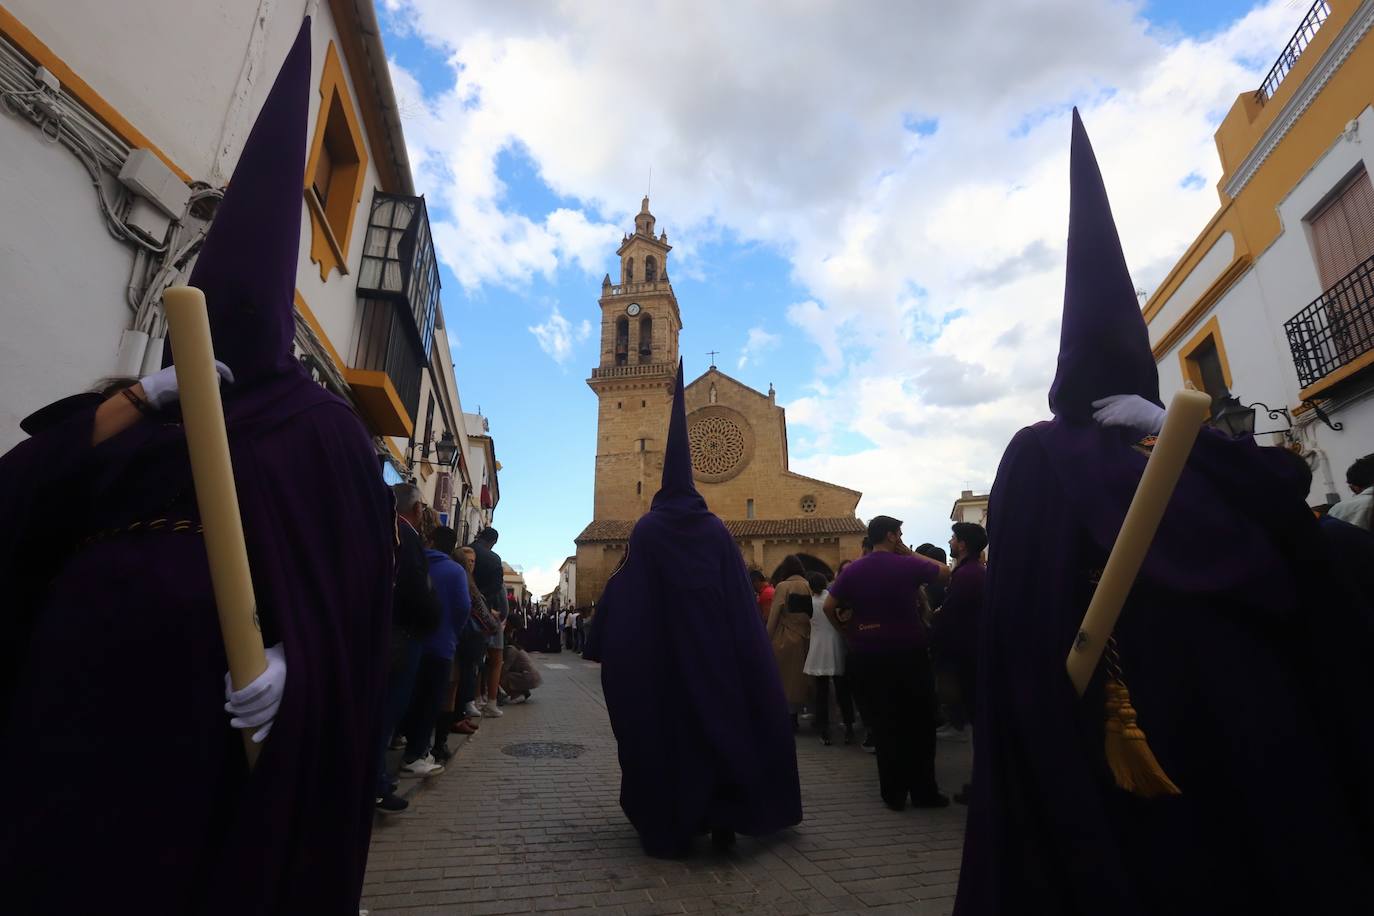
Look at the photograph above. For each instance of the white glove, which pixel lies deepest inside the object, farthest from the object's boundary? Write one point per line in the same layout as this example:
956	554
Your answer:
256	705
1129	411
160	388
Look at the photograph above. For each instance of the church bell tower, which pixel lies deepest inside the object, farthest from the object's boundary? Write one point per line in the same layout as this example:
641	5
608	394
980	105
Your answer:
640	324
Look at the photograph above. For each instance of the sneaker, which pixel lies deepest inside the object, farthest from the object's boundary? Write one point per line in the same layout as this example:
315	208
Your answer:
471	710
491	710
517	700
391	804
423	767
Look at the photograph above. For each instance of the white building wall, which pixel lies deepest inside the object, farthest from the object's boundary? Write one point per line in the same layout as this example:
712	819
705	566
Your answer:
50	211
178	67
1282	281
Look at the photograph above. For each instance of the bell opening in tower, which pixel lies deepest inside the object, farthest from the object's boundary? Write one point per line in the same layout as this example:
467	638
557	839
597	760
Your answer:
646	339
622	341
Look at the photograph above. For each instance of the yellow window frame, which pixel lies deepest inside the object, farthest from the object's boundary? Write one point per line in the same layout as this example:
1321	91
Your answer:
331	222
1192	372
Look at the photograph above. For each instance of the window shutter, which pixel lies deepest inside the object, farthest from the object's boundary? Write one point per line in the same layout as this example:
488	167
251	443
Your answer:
1343	233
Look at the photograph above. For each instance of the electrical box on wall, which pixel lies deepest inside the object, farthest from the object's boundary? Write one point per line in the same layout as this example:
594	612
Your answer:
150	178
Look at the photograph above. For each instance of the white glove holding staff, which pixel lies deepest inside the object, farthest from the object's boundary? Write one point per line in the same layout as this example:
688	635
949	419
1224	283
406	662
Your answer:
160	388
1131	412
255	706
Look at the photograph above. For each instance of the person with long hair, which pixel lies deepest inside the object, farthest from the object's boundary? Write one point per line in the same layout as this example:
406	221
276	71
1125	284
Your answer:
789	629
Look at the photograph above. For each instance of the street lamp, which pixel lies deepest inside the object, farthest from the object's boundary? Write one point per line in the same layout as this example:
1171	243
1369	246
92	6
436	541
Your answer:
1235	420
446	448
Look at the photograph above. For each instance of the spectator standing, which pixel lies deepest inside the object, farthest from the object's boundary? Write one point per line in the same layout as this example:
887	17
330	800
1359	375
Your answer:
1358	511
472	646
579	626
764	590
954	639
890	663
825	662
414	617
568	629
789	629
424	741
490	574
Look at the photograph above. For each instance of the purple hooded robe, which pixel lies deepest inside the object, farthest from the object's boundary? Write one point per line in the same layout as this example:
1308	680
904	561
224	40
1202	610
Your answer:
1225	640
134	793
677	629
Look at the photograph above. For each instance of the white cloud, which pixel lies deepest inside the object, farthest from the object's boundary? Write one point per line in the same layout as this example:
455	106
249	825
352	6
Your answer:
541	579
918	189
557	335
759	341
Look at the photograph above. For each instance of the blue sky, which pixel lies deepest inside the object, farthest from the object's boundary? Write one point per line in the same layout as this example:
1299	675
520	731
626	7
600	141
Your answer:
838	226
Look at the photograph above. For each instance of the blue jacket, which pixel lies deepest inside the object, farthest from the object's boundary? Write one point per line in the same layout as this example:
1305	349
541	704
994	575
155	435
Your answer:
451	587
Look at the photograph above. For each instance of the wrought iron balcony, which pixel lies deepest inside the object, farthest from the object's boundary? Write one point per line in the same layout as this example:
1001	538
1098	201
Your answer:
399	262
384	344
1319	13
1334	329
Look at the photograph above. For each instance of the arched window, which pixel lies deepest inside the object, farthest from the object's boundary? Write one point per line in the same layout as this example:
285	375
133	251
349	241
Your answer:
646	339
629	271
650	269
622	341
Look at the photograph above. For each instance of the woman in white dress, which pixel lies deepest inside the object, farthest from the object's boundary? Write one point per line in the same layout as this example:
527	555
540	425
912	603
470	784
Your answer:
825	663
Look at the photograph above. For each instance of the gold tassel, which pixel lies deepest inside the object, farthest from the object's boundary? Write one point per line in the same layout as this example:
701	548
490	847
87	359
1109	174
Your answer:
1134	766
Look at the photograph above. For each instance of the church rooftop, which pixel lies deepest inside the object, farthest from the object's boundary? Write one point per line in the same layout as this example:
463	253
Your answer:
616	530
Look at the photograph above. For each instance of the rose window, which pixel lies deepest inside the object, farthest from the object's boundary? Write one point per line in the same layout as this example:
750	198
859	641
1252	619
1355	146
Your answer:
717	445
808	504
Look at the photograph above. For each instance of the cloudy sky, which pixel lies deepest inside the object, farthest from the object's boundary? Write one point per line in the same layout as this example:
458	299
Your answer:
867	203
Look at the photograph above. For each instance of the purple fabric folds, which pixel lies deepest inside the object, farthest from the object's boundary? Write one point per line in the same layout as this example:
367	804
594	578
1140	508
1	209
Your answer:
691	686
132	779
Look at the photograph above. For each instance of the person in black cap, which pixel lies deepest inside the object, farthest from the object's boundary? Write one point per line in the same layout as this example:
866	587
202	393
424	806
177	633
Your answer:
889	661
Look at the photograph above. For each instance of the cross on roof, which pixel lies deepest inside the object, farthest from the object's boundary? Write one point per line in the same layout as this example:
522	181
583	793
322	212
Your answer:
713	354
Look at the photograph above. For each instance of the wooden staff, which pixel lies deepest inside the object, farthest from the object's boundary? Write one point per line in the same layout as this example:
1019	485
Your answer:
188	325
1184	419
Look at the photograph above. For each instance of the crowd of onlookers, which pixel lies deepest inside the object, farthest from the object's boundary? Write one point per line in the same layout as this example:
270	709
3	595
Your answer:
455	652
892	638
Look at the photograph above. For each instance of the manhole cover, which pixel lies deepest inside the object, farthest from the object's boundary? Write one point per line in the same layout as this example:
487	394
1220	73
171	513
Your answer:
553	749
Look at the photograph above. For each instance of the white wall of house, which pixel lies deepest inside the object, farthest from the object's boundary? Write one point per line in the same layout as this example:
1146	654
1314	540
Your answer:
179	68
1251	314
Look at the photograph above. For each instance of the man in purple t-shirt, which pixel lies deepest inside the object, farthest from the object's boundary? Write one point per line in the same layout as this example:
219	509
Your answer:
889	662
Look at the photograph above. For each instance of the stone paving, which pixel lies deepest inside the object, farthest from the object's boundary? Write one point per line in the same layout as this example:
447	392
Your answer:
506	834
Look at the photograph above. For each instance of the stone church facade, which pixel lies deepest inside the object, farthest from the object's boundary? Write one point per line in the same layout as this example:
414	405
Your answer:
738	436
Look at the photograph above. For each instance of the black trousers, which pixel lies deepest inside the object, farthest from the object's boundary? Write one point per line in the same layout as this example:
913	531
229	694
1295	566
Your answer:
431	682
841	696
897	690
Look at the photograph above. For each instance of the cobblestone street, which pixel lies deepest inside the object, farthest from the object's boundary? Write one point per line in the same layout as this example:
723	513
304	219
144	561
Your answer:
506	834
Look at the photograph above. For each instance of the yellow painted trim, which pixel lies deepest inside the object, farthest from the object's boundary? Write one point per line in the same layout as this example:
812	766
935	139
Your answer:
1252	217
1206	239
1199	308
1358	364
1209	331
395	452
327	249
376	380
318	328
40	53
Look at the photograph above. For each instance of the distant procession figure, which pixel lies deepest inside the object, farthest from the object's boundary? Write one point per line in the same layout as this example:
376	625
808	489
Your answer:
691	685
112	651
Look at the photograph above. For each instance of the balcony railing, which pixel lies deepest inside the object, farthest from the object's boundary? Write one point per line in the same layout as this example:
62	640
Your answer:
1335	328
632	371
648	286
1318	14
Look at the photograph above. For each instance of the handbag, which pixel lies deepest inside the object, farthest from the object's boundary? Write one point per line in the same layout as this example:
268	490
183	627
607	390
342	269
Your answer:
486	621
